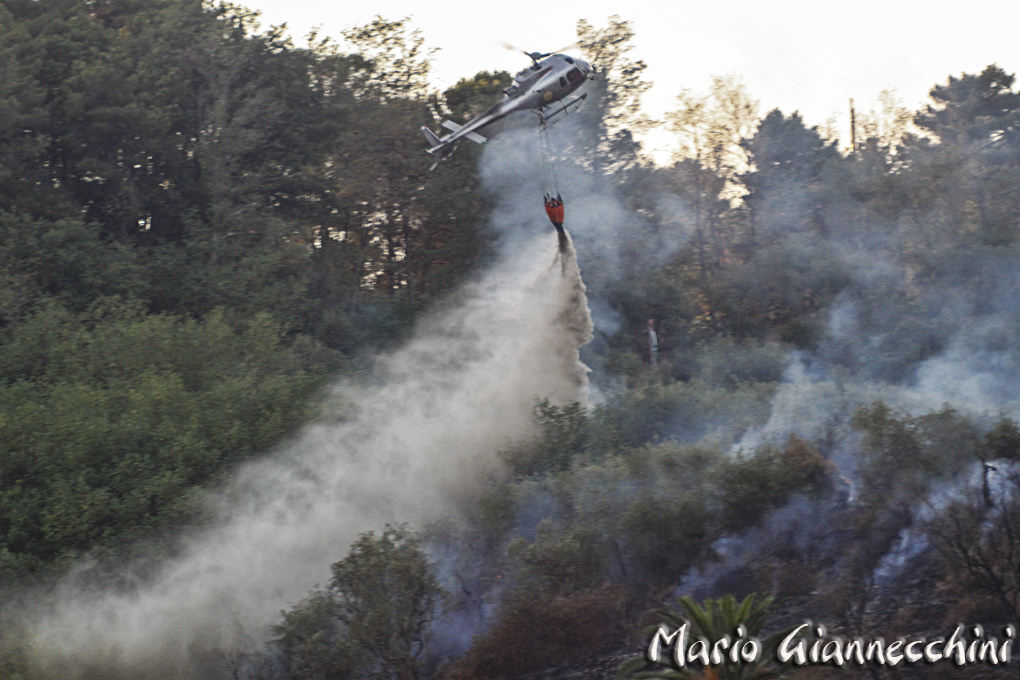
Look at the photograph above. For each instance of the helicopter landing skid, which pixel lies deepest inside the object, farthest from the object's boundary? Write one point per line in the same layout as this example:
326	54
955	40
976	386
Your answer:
546	118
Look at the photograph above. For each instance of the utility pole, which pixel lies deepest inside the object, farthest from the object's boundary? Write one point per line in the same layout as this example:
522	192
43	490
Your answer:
853	127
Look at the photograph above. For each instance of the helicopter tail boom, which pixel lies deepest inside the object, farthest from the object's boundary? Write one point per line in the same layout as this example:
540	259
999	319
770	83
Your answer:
473	136
433	140
442	149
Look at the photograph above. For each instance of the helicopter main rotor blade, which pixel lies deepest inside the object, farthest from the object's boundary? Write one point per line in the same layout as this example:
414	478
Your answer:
565	48
514	48
537	55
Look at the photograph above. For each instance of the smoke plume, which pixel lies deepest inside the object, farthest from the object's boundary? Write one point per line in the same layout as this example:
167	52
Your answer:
420	431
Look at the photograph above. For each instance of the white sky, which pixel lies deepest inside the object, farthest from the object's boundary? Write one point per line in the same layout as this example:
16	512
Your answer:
795	55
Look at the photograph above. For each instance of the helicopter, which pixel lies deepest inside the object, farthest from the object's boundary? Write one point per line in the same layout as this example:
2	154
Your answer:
550	79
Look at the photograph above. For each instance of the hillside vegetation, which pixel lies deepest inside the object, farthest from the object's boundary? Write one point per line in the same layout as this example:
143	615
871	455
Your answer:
203	224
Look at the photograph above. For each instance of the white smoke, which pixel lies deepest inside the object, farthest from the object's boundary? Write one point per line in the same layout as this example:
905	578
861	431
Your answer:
814	397
415	435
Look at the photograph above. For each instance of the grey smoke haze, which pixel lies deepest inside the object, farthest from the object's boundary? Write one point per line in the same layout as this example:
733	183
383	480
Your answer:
917	332
419	432
976	374
603	227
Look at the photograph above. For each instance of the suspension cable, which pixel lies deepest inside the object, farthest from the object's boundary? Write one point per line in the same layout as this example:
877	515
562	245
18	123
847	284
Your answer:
552	184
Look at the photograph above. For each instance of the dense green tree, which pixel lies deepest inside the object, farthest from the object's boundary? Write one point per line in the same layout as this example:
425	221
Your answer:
313	642
111	416
373	621
397	61
174	156
408	233
388	596
23	175
786	189
979	109
976	120
901	456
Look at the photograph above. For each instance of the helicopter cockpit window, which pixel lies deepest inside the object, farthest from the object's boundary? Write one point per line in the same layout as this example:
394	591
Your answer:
574	74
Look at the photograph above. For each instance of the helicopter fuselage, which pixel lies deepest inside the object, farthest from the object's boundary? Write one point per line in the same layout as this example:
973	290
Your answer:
545	82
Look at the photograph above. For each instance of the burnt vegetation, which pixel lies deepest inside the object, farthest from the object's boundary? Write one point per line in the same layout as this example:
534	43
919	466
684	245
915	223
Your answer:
201	223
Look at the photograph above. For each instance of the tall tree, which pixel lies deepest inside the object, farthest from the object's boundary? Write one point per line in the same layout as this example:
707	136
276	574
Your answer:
976	119
979	108
397	213
373	621
397	61
785	188
613	110
710	129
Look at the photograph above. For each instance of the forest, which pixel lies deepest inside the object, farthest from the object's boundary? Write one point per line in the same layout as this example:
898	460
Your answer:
247	338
